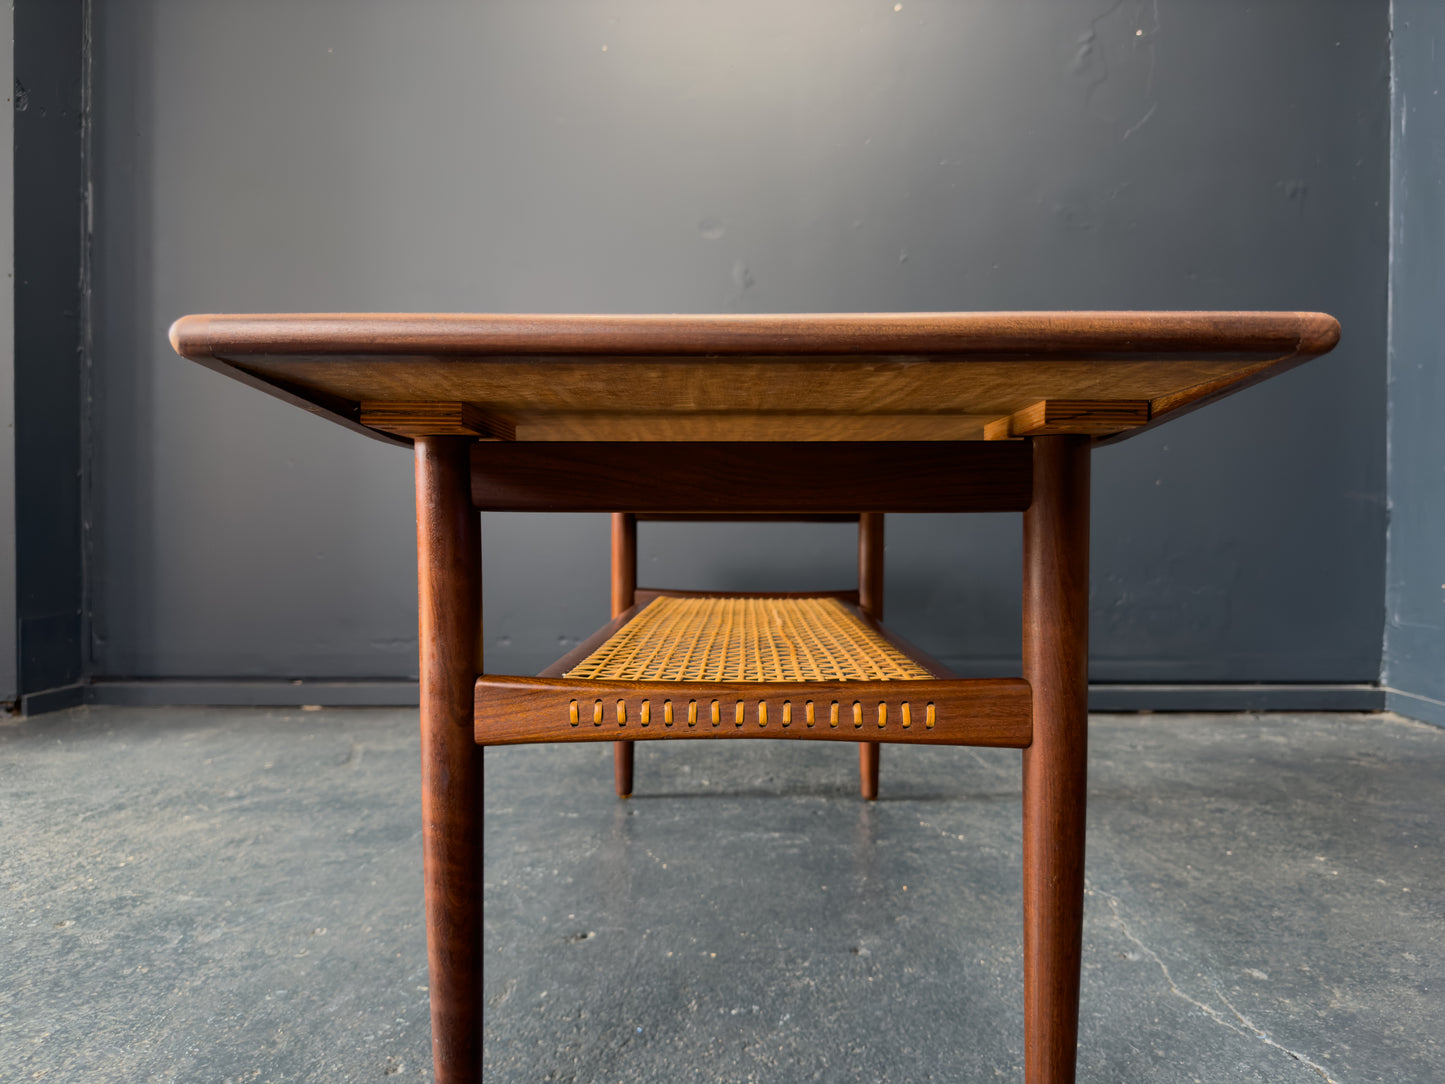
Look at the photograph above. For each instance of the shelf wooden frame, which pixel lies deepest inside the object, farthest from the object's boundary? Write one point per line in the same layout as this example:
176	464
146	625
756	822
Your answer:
975	711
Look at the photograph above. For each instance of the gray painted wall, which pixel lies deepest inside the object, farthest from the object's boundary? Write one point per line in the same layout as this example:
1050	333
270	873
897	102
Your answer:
1415	592
811	156
9	676
49	185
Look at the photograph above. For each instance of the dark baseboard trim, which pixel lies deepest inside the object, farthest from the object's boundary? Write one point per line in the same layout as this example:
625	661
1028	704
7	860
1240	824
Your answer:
1248	697
1420	708
381	693
67	696
401	693
236	692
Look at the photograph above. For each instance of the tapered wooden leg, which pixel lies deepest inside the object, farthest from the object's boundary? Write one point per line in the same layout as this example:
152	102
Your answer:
622	768
870	601
1055	657
868	769
449	582
624	593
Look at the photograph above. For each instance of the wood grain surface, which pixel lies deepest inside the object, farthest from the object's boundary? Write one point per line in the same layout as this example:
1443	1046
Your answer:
449	583
624	597
979	711
739	517
1056	664
1020	334
870	602
644	595
880	376
764	415
435	419
1095	417
889	476
683	424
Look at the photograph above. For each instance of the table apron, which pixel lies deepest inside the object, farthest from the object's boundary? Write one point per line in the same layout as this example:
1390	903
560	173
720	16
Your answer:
763	477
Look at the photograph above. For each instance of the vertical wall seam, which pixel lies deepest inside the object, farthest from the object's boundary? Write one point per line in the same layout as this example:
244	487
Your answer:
87	359
1395	150
9	582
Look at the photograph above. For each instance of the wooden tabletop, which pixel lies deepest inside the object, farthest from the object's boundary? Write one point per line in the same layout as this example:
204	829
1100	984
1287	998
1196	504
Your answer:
879	376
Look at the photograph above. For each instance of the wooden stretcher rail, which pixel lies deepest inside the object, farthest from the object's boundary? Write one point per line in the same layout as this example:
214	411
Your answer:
987	711
644	595
738	517
758	478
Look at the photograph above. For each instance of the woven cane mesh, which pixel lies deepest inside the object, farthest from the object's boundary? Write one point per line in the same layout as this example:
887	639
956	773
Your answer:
747	639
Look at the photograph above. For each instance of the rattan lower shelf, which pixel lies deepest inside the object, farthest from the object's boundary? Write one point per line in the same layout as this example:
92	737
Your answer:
755	667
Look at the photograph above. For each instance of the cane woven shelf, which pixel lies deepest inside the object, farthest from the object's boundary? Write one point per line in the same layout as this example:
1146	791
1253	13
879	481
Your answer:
747	639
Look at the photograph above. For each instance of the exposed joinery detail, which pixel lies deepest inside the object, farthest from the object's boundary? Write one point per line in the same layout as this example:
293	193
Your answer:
1087	417
982	711
426	419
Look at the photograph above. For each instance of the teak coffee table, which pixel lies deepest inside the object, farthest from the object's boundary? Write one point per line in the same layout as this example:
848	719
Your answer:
927	412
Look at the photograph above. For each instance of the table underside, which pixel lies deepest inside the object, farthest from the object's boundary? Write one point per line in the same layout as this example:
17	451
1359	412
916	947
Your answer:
885	377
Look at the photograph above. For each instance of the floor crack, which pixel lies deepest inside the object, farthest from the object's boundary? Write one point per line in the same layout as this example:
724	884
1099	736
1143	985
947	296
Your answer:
991	765
1244	1025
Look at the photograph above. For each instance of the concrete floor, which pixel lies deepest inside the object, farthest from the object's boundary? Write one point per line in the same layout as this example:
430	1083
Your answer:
235	895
